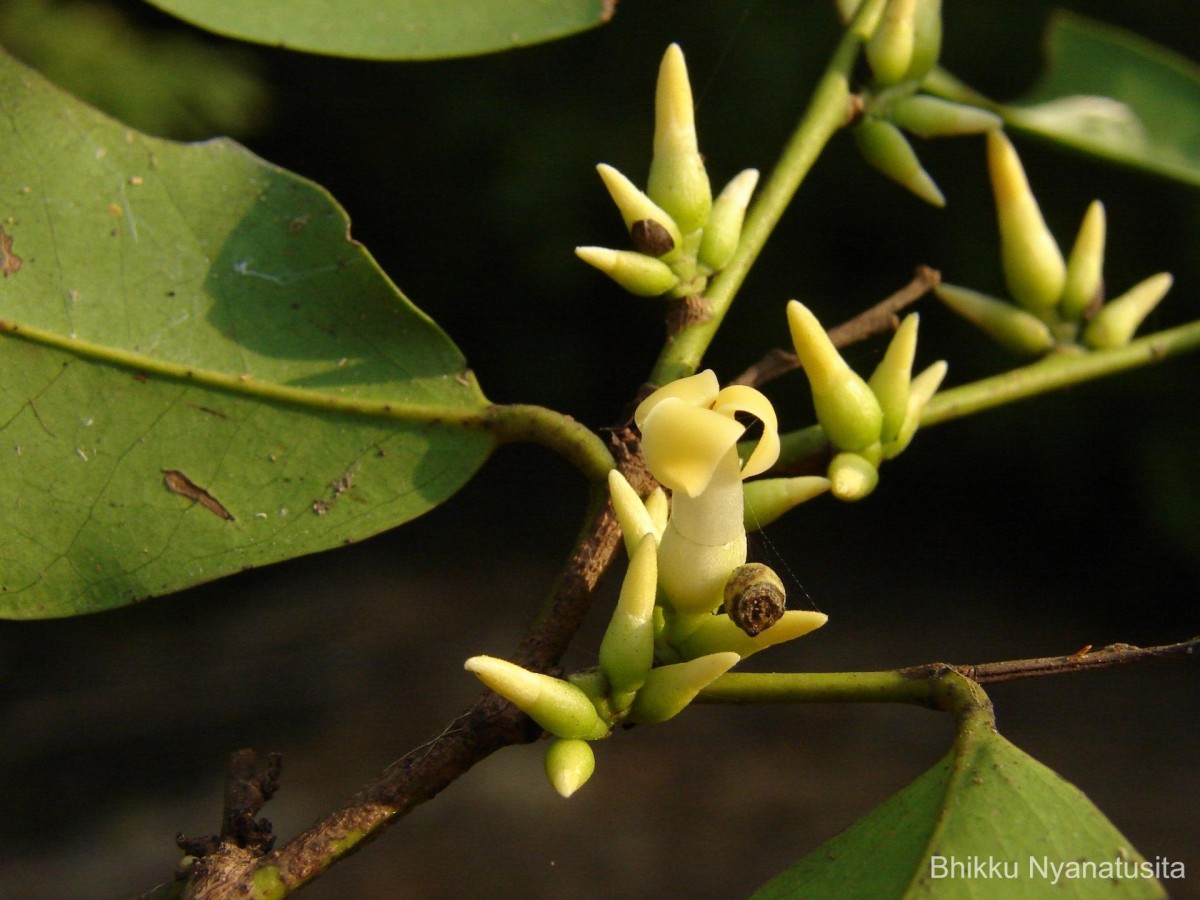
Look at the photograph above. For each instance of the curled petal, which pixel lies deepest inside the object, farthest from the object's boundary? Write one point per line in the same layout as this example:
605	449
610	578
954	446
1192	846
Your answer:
695	390
684	444
742	398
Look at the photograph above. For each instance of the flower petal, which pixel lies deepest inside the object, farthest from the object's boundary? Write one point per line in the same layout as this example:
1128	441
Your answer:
743	398
683	444
695	390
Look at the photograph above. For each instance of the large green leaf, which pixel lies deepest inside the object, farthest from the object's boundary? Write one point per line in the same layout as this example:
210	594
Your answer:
171	312
1111	94
394	29
988	821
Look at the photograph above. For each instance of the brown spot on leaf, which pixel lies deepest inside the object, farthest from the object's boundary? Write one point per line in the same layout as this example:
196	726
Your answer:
10	263
178	483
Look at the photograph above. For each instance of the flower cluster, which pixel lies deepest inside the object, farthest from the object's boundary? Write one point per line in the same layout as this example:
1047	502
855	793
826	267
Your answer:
690	607
681	235
903	45
865	421
1059	302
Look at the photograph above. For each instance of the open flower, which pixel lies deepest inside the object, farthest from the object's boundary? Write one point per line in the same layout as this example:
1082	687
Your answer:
689	438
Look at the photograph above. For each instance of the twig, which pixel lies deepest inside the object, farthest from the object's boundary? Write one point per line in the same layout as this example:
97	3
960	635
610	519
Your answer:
1112	655
879	318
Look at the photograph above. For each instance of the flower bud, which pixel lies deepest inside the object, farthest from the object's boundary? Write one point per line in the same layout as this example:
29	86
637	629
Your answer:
933	117
1116	321
678	182
558	706
1014	329
569	764
890	49
1084	266
718	633
632	515
724	228
890	380
639	274
851	476
920	391
769	498
653	230
887	150
627	649
659	508
845	405
668	689
1033	265
755	598
927	39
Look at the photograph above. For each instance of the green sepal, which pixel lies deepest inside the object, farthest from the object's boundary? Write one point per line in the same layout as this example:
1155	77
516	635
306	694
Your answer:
845	405
933	117
627	649
891	377
669	689
890	50
887	150
720	634
569	764
724	228
920	391
1085	266
639	274
561	708
1116	321
927	39
1014	329
766	499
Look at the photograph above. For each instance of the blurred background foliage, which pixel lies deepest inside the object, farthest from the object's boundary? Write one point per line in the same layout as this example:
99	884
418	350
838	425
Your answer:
1029	531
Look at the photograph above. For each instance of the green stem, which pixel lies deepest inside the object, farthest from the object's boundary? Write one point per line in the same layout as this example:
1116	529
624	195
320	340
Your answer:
939	688
827	112
507	423
1057	371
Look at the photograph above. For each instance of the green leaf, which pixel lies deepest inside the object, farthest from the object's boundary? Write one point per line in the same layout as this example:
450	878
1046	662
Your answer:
1108	93
175	315
1016	829
394	29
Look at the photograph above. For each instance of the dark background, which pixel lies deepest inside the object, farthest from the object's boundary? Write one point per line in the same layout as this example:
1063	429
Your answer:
1028	531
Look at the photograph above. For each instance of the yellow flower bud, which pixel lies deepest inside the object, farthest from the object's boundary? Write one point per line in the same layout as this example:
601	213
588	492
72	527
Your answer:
1014	329
668	689
890	380
1116	321
718	633
933	117
1084	266
558	706
887	150
845	405
1033	264
769	498
678	182
890	49
627	649
637	209
639	274
724	228
851	476
569	764
632	515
